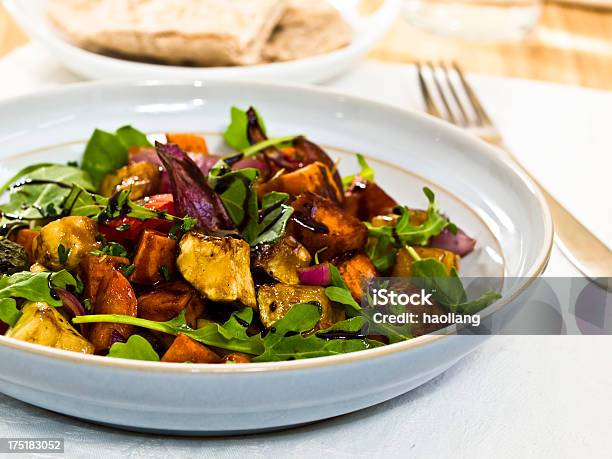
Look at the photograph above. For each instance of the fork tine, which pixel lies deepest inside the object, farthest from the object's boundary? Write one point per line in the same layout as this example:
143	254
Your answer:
429	103
449	82
451	116
483	118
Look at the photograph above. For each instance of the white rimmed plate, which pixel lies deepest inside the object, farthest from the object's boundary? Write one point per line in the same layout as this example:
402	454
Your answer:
367	31
482	193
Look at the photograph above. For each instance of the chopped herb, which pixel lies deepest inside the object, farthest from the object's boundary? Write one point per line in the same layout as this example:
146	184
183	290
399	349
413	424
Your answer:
62	254
367	172
163	270
87	305
127	270
111	248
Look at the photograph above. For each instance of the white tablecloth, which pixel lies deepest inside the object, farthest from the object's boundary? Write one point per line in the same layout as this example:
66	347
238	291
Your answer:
515	396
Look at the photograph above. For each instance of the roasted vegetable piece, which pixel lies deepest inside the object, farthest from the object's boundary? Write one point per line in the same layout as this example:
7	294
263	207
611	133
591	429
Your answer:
403	262
356	272
43	324
315	178
13	257
25	237
417	217
192	195
142	178
94	269
185	349
127	229
237	357
75	235
282	260
218	267
168	300
155	258
276	300
318	223
309	152
115	296
192	143
365	200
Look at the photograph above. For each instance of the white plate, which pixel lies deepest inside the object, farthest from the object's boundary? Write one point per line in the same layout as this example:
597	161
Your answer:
367	31
483	193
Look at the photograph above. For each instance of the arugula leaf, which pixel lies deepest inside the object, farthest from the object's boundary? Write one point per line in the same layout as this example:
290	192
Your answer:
23	173
106	152
278	141
226	336
447	288
40	192
382	253
285	341
9	314
340	293
136	348
236	133
406	233
367	172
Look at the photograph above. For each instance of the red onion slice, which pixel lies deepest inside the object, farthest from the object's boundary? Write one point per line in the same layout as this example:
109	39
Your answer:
319	275
459	243
73	307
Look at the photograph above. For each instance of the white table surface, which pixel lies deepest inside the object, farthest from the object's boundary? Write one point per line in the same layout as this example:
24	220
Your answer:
513	397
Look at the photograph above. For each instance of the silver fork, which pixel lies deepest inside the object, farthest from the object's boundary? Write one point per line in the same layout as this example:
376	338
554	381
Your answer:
450	97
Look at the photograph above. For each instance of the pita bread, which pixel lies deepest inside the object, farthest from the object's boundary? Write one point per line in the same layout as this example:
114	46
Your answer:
198	32
308	28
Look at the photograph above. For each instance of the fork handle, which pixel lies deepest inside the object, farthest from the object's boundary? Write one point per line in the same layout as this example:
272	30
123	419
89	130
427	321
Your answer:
586	252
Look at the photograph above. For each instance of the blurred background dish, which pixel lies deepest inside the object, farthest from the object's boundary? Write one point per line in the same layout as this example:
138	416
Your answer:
272	39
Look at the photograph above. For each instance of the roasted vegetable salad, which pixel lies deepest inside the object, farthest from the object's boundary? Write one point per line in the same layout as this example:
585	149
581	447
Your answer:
168	252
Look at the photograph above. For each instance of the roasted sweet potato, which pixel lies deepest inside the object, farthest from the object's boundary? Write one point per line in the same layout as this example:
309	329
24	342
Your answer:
218	268
115	296
168	300
192	143
276	300
185	349
155	258
94	269
356	273
315	178
365	200
24	237
282	260
319	223
403	262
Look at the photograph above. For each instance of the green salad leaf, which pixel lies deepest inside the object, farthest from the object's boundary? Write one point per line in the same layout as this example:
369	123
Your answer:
32	287
367	172
136	348
447	288
9	314
38	192
106	152
339	292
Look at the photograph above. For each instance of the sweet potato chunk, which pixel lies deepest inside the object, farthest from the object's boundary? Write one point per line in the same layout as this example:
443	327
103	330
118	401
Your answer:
185	349
155	254
365	199
283	259
276	300
403	262
142	178
94	269
319	223
115	296
24	237
192	143
218	268
315	178
237	357
356	273
168	300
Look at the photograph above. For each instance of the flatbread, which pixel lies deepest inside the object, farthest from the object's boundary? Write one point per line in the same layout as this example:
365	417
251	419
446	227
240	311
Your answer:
308	28
198	32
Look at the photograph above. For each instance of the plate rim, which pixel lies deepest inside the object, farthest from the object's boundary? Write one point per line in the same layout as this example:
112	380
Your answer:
447	129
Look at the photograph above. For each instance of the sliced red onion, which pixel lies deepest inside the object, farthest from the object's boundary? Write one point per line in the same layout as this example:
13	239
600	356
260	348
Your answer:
253	163
319	275
459	243
146	155
73	307
116	337
192	195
